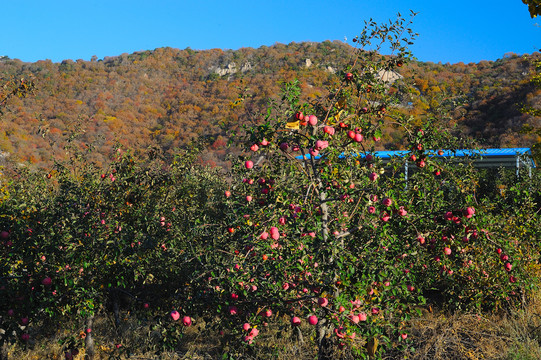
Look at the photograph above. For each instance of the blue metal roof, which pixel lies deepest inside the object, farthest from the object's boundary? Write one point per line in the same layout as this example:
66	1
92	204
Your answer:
485	153
460	153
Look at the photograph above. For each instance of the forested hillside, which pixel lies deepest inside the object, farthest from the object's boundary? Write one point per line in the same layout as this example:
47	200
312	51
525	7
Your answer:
169	97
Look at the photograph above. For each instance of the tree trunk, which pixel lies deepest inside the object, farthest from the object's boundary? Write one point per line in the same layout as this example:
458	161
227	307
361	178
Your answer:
89	341
324	329
298	334
4	351
324	342
116	311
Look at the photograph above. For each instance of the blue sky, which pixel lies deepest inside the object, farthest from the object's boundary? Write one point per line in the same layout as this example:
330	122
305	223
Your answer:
449	31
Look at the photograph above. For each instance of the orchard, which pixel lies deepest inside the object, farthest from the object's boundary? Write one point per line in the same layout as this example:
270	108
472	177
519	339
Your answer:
310	233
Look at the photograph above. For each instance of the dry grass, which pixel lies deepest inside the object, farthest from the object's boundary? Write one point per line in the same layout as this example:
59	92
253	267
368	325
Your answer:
436	336
463	336
140	342
513	335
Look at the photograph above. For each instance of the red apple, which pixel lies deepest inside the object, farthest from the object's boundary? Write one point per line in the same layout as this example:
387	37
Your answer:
295	321
275	233
328	130
174	315
323	301
321	144
387	202
47	281
469	212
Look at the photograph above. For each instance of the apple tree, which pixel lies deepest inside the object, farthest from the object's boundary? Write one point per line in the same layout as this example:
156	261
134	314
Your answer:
322	232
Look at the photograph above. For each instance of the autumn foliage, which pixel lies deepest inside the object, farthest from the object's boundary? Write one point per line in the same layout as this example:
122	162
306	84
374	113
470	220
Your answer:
168	97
